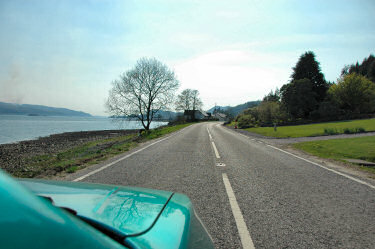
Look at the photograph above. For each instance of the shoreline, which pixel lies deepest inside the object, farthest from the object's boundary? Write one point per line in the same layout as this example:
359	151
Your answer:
14	156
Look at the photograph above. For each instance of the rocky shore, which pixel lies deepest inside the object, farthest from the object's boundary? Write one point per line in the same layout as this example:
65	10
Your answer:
14	156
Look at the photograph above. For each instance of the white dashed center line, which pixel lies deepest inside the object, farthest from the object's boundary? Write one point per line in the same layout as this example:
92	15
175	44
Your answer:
246	241
209	134
216	151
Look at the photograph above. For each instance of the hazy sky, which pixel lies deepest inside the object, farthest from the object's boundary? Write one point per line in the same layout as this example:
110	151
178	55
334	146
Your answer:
66	53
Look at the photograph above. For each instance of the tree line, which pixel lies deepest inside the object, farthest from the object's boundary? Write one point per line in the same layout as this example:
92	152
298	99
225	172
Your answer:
308	97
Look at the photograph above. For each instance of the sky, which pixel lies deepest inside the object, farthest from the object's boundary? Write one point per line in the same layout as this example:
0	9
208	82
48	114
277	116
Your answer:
66	53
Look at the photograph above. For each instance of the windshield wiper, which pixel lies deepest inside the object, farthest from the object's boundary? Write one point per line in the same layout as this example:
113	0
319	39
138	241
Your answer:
107	230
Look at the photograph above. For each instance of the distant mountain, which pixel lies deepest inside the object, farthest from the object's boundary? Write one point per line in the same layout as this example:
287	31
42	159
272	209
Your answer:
235	110
166	115
37	110
240	108
222	108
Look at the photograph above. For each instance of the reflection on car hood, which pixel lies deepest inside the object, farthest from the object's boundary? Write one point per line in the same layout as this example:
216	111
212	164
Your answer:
128	210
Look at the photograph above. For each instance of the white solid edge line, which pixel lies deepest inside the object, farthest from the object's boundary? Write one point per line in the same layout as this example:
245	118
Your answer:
216	151
247	242
334	171
124	157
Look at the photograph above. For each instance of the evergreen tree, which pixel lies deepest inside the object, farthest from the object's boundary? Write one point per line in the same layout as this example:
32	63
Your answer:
366	68
272	96
308	68
298	98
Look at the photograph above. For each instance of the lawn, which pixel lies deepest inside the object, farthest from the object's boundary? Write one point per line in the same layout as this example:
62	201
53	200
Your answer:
339	149
319	129
90	153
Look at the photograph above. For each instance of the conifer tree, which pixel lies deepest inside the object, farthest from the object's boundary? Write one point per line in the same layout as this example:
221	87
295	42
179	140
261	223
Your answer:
308	68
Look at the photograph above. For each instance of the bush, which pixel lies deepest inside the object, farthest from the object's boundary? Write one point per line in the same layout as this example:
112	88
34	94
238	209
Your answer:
360	130
330	131
246	121
334	131
348	131
354	93
354	130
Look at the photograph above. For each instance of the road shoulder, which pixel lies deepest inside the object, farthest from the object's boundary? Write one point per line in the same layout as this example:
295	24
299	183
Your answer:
286	144
64	176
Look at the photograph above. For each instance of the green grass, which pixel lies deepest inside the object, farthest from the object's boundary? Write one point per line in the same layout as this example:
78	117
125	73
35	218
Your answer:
90	153
339	149
317	129
152	134
233	124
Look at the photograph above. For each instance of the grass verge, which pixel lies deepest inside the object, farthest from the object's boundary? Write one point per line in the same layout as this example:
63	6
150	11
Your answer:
339	149
310	130
90	153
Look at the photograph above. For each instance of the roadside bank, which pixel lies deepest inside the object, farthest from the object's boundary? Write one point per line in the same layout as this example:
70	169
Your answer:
71	151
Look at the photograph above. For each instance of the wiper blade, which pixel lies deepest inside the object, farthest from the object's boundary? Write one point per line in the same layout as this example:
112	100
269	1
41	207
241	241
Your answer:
107	230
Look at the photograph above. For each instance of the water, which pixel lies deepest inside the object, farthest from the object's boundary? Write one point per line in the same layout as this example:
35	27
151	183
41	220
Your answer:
15	128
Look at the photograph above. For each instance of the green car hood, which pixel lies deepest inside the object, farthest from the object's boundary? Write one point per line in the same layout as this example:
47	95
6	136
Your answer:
129	210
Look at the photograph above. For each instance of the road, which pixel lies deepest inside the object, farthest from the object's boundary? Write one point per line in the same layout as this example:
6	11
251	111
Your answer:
250	194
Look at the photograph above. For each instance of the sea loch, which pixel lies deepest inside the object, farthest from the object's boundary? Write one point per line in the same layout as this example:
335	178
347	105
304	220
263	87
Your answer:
15	128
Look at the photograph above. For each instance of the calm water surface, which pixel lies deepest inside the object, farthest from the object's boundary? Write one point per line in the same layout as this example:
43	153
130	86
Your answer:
15	128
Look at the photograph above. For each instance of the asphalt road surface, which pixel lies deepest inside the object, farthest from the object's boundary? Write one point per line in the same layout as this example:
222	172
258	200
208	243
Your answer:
250	194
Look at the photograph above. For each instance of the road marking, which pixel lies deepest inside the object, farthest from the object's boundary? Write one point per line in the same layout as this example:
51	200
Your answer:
209	134
220	164
247	242
332	170
216	151
235	132
253	139
124	157
317	164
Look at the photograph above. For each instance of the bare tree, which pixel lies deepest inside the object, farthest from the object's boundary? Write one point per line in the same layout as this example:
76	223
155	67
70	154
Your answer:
143	91
188	100
196	102
184	100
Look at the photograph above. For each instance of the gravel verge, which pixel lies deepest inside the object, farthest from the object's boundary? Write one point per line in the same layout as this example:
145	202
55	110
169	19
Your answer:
14	156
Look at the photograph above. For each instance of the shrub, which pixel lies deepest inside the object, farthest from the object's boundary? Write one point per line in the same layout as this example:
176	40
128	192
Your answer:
246	121
330	131
72	169
354	130
348	131
334	131
354	93
361	130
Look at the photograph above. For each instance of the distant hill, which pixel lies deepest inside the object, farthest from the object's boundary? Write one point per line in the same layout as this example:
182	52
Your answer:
166	115
37	110
235	110
222	108
240	108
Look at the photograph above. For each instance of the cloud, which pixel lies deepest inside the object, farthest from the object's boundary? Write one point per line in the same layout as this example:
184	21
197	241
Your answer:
231	77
